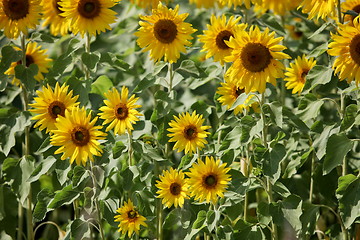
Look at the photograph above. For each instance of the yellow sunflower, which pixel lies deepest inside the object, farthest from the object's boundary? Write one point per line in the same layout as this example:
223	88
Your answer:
255	58
319	9
173	188
52	15
230	92
77	136
204	3
88	16
279	7
34	55
129	218
208	181
164	33
345	47
296	73
17	16
119	111
236	3
218	31
150	4
50	104
188	133
353	5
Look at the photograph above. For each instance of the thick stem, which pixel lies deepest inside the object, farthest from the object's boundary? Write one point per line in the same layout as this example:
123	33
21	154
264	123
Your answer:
171	76
101	230
159	215
312	177
20	222
87	50
131	160
341	20
264	132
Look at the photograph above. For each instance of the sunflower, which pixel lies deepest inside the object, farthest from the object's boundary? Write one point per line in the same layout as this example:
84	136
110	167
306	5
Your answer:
230	92
52	15
129	218
293	29
50	104
236	3
345	47
255	58
204	3
119	111
150	4
164	34
77	136
18	15
319	9
218	31
173	188
88	16
279	7
350	5
296	73
188	133
208	180
34	55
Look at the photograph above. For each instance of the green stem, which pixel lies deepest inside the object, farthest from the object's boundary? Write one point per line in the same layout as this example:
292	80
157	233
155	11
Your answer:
101	230
76	208
171	76
159	215
264	132
341	20
20	222
87	50
131	160
30	233
312	177
343	228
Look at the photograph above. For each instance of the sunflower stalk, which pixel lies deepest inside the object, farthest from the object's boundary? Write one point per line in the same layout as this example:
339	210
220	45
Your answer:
29	217
341	19
131	160
97	205
171	77
87	50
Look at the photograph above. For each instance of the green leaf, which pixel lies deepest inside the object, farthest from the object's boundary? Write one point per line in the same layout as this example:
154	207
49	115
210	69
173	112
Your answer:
188	66
42	168
273	23
144	84
65	196
80	229
212	218
262	213
118	149
79	176
172	219
309	218
272	162
311	111
319	75
90	60
200	220
101	85
349	117
251	233
295	120
26	75
43	199
349	198
337	147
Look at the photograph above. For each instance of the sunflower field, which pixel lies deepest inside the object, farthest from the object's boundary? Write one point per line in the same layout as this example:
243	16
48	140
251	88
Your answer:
199	119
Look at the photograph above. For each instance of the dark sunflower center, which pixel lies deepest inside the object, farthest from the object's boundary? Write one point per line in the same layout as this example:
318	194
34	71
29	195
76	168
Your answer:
190	132
16	9
355	49
222	37
165	31
89	8
57	7
255	57
210	181
121	111
56	108
303	75
355	9
239	91
29	60
80	136
175	189
132	214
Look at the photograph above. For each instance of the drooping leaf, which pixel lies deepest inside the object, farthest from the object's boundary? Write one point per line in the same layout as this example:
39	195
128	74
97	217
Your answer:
64	196
101	85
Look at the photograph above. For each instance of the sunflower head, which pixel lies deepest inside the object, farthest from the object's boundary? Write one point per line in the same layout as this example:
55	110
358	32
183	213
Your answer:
230	92
129	218
208	180
59	25
34	55
236	3
350	5
173	188
345	47
50	104
187	132
77	136
149	4
164	33
296	73
17	16
88	16
282	7
120	111
319	9
255	58
219	31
